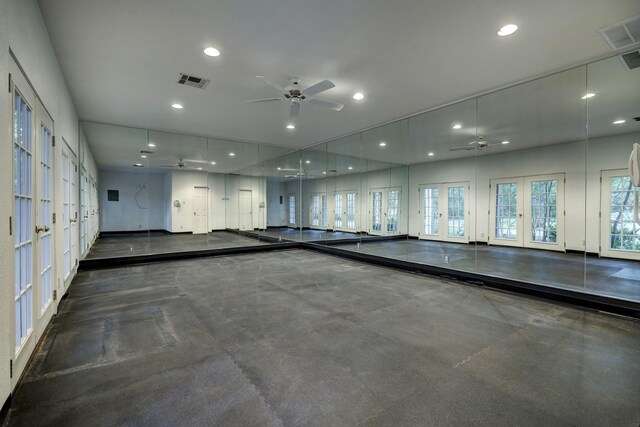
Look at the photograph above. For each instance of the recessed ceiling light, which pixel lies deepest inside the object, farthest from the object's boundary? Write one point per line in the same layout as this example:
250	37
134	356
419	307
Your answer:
199	169
324	172
350	168
291	126
619	122
431	153
177	106
307	161
588	95
383	144
138	165
232	154
456	126
279	168
151	144
505	142
213	163
211	51
507	30
143	156
358	96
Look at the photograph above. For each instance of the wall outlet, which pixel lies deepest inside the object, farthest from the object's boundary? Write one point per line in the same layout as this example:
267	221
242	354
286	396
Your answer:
446	259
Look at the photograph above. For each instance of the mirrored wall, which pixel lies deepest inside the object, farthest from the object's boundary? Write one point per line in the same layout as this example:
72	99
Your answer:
528	183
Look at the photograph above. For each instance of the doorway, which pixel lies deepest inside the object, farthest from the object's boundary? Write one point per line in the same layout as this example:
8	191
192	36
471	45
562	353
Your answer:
620	233
444	212
200	202
384	211
528	212
345	211
318	213
245	213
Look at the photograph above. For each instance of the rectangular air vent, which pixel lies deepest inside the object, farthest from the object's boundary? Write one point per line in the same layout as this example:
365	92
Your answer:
631	60
193	81
623	34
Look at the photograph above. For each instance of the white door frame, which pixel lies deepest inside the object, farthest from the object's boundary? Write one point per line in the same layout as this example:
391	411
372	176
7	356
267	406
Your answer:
444	219
195	197
240	225
518	213
437	220
605	217
320	225
559	244
384	211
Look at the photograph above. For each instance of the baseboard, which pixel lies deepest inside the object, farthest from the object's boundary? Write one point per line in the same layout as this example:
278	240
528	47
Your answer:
110	233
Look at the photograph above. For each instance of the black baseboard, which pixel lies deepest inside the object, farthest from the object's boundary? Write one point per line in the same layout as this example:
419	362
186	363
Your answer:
127	232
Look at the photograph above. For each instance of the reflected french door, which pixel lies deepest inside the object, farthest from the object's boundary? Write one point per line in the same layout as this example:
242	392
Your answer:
318	213
345	211
528	212
32	220
444	212
384	212
69	212
620	233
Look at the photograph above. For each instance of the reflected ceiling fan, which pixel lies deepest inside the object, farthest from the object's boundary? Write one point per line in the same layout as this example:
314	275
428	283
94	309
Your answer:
184	164
478	144
301	174
296	95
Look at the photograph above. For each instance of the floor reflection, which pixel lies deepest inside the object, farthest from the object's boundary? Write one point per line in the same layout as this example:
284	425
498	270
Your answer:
293	234
604	276
125	244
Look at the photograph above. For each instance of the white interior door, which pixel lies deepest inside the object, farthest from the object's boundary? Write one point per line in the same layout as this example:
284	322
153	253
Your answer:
544	212
620	234
200	204
44	212
245	220
506	213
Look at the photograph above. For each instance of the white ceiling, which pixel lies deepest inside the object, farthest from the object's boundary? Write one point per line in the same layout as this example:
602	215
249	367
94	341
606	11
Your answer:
121	58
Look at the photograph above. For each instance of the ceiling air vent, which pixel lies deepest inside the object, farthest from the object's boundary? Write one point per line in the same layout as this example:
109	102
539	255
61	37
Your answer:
631	60
193	81
623	34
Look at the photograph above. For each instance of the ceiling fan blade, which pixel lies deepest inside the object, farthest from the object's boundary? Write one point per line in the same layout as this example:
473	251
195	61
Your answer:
264	100
195	161
462	148
295	109
167	166
326	104
318	87
272	84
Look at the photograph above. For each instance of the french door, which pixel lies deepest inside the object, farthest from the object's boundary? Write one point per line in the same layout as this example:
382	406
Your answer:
32	219
444	212
84	212
345	211
384	211
318	213
69	212
620	233
528	212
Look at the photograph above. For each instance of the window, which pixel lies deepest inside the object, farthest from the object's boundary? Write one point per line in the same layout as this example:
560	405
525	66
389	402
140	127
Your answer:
292	209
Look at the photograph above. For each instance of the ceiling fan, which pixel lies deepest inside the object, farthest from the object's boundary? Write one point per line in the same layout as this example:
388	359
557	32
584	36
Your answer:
478	144
301	174
183	164
295	95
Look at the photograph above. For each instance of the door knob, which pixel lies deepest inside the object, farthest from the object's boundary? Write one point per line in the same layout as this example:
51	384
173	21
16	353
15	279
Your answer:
520	215
73	220
40	228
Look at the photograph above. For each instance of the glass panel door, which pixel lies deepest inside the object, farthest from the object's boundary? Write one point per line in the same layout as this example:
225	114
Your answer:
323	211
455	205
376	213
392	211
351	212
620	233
430	211
66	209
315	210
544	212
44	229
337	222
506	218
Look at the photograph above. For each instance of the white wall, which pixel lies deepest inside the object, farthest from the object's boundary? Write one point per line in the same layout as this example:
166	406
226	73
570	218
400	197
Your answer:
141	201
22	29
276	211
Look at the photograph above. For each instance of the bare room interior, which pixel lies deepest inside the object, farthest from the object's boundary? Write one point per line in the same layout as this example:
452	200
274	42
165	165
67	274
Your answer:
320	213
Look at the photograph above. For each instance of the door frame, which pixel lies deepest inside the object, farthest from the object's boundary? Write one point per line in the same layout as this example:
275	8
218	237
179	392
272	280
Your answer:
320	226
605	214
491	237
560	244
384	209
250	211
206	208
444	219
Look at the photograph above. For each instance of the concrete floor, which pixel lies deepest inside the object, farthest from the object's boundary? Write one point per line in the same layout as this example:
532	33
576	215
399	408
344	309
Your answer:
300	338
604	276
125	244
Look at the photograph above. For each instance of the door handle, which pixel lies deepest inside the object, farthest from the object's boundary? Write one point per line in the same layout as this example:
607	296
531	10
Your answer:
520	215
73	220
440	215
40	228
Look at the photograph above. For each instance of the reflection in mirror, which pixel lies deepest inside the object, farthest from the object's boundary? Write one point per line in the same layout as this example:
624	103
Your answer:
314	201
283	197
613	261
531	181
129	195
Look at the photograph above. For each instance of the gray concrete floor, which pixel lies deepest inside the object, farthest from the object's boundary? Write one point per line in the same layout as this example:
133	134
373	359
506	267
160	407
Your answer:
126	244
604	276
300	338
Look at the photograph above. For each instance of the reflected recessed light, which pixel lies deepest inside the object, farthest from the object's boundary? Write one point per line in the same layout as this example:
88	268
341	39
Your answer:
507	30
619	122
213	163
143	156
199	169
232	154
588	95
431	153
211	51
291	126
505	142
383	144
279	168
151	144
324	172
177	106
457	126
358	96
307	161
350	168
138	165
